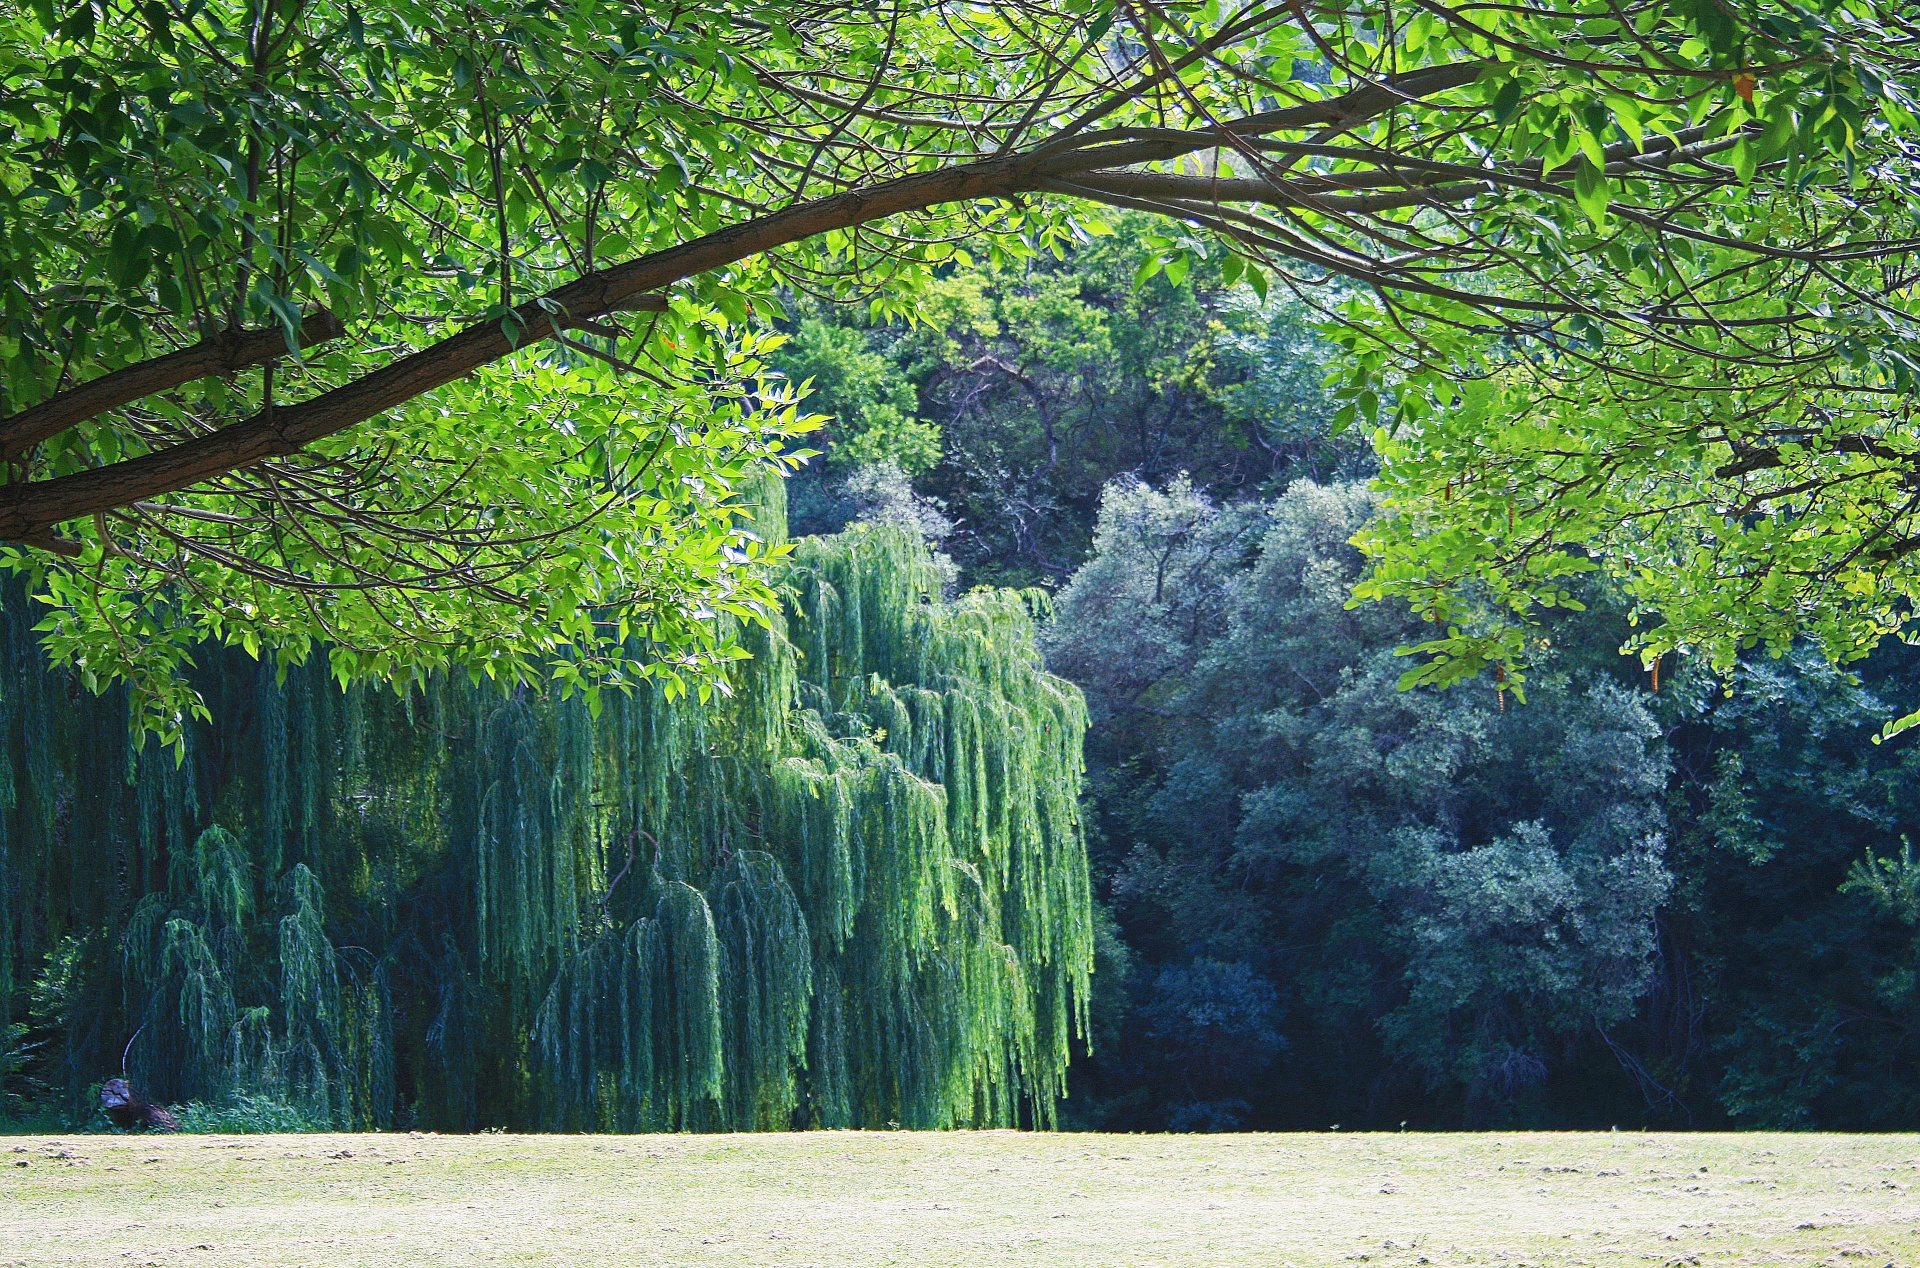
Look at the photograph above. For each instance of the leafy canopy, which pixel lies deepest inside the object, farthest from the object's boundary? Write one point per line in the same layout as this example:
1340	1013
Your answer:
422	331
1745	470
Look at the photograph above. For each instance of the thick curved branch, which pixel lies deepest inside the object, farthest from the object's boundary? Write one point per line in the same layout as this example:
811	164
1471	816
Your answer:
1200	191
224	353
29	511
1769	459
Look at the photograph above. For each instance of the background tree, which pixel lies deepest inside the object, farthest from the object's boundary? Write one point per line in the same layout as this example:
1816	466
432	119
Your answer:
1439	892
1687	906
852	893
1039	380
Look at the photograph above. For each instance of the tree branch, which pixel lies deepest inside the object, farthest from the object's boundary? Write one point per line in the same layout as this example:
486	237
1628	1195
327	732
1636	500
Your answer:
29	511
1768	459
224	353
1204	191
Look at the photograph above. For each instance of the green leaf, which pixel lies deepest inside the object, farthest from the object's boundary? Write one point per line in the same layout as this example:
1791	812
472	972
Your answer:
1898	726
1591	192
1744	160
1508	100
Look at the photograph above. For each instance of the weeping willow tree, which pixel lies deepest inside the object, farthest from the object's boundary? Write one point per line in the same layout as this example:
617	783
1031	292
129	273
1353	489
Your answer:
851	894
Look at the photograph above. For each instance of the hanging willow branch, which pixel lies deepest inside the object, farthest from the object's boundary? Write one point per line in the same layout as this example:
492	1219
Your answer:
864	898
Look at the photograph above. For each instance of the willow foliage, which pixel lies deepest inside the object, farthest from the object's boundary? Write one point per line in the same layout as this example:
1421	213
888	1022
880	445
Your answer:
853	892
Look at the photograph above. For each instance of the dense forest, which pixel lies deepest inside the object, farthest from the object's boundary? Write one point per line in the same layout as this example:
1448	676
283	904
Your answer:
860	892
1666	898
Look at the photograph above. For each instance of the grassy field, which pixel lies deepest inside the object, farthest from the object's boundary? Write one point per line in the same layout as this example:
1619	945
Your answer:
973	1199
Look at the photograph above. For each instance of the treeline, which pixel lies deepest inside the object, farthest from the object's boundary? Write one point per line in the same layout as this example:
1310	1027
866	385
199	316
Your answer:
856	894
1630	900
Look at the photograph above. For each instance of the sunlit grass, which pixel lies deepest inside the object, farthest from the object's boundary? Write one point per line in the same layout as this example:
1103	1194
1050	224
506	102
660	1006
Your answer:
848	1200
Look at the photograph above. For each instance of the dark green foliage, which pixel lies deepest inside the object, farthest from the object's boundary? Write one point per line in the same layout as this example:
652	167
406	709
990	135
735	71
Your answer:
766	984
853	893
1348	903
246	1114
1792	989
1212	1026
1439	889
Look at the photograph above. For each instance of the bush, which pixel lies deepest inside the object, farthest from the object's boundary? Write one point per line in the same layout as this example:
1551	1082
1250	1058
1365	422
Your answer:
245	1114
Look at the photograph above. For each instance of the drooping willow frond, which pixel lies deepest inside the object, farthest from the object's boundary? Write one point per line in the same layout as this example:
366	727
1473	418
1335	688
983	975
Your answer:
853	892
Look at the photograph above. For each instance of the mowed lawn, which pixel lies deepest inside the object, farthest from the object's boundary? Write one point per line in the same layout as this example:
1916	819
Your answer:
966	1199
